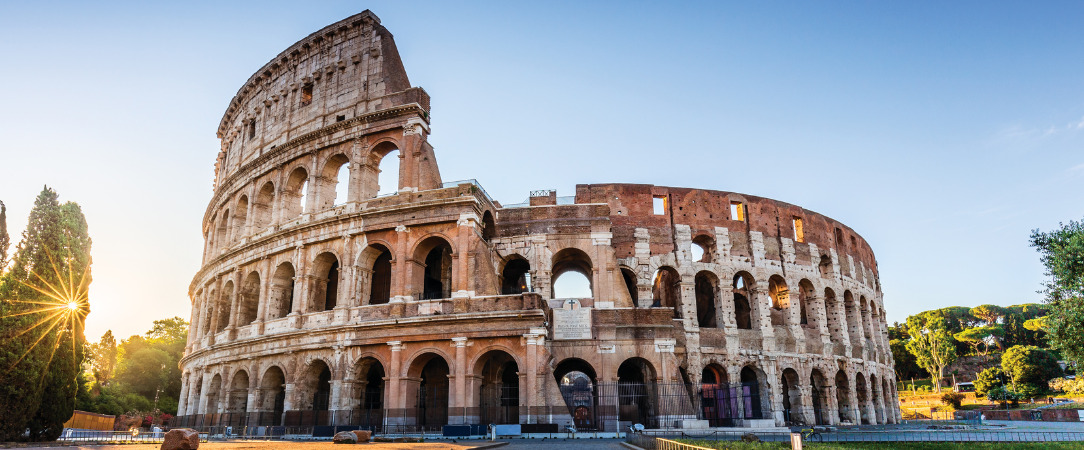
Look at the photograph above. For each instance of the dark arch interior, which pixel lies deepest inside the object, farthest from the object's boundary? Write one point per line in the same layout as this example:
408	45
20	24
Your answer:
515	278
380	288
438	272
433	393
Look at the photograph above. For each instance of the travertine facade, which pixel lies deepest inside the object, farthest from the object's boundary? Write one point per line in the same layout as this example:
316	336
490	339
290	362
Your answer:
435	305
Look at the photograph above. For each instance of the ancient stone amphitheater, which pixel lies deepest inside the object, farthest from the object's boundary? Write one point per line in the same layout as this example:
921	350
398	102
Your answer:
321	303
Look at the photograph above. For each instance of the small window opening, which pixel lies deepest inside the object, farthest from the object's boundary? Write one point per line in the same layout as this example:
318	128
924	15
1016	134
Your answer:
658	204
799	233
854	242
697	252
306	95
737	211
340	118
252	128
342	184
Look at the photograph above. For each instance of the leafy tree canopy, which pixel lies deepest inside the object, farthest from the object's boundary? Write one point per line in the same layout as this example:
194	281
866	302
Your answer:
1062	253
1029	365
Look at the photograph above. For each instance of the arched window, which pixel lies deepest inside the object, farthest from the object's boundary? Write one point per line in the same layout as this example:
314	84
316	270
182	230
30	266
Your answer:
281	297
336	176
666	290
224	303
703	248
294	194
222	240
238	395
707	288
806	297
435	278
489	227
777	290
380	289
240	219
515	279
572	274
371	374
630	284
272	394
262	208
326	269
380	175
742	289
250	299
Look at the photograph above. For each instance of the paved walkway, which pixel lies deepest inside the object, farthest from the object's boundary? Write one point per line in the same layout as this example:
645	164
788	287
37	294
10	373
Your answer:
563	444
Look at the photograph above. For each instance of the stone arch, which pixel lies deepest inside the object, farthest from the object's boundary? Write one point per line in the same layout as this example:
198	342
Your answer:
225	303
249	301
222	233
825	266
375	263
239	219
313	392
637	392
753	388
272	396
574	260
780	295
369	376
666	290
706	245
808	312
434	276
854	322
213	394
630	283
210	306
867	315
263	207
819	389
496	373
707	291
718	402
878	406
196	396
379	162
843	398
836	324
861	392
515	275
578	384
294	193
238	393
334	182
427	383
281	296
791	392
326	275
743	289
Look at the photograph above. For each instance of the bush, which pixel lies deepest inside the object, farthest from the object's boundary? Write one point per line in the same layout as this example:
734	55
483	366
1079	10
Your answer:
1002	395
1069	387
988	380
953	399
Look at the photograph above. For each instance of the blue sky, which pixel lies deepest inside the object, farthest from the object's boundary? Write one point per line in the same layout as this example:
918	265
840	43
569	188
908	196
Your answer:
943	132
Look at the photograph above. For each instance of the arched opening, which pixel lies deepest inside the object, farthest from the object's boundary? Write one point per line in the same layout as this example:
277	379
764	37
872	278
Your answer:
875	390
297	187
637	393
380	275
314	395
792	397
370	376
717	398
835	323
576	380
336	175
572	274
196	398
750	392
431	391
854	322
389	171
326	292
863	397
666	290
780	294
630	284
707	287
743	283
212	394
281	296
210	305
262	208
515	278
272	397
224	303
238	403
843	398
817	387
826	266
498	392
222	239
867	319
489	227
250	299
240	218
436	275
806	295
703	249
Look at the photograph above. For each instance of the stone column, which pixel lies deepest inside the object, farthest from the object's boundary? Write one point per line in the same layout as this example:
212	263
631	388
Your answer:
831	404
760	303
534	340
402	266
458	412
182	402
395	403
461	273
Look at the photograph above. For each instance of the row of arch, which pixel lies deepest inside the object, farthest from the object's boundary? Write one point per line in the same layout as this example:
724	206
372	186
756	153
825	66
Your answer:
302	190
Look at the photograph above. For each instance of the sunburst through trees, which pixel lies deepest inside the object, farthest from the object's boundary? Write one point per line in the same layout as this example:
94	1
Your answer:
43	305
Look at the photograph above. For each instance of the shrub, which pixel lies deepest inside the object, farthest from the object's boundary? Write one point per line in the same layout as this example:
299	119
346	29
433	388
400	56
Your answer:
987	380
953	399
1002	395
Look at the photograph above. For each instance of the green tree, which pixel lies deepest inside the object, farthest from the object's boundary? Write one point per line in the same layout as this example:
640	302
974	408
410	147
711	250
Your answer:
148	365
906	365
1029	367
980	337
1062	253
103	358
1016	333
989	379
990	314
5	239
931	343
41	337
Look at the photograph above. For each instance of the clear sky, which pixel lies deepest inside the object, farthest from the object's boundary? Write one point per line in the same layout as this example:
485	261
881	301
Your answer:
942	132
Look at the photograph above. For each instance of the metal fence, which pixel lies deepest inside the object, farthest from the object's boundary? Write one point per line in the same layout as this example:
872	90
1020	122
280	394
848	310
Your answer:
138	436
649	440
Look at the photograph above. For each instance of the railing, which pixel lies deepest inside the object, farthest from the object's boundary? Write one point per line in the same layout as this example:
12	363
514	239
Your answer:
650	440
78	436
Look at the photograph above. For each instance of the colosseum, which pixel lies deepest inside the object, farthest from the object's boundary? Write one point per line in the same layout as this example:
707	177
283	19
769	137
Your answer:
323	304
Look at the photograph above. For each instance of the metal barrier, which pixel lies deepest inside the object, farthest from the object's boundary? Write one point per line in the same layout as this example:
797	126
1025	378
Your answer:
651	441
76	436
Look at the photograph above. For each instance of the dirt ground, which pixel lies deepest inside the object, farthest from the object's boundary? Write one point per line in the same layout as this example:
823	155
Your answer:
279	445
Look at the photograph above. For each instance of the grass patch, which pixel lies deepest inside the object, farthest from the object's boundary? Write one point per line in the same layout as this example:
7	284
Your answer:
721	445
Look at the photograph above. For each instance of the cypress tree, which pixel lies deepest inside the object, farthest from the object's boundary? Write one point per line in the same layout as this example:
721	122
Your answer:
41	339
5	240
